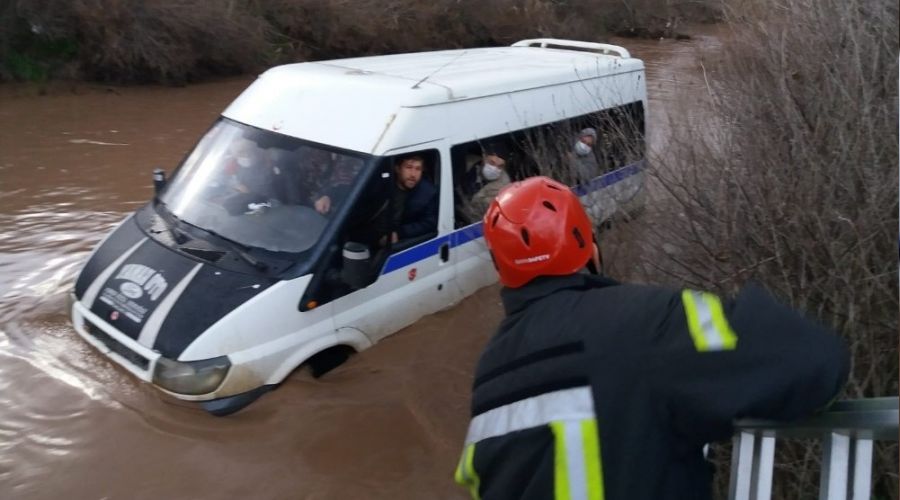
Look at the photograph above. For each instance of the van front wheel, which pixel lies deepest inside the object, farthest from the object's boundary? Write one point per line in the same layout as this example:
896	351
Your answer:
329	359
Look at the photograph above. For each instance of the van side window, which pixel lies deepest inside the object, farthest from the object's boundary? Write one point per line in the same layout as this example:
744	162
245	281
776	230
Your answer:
573	151
621	135
549	151
397	209
480	170
579	149
401	211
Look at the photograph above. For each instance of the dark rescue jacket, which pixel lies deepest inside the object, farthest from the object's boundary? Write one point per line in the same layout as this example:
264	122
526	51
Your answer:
592	389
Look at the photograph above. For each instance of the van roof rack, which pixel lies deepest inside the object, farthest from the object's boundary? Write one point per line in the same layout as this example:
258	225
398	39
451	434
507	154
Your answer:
557	43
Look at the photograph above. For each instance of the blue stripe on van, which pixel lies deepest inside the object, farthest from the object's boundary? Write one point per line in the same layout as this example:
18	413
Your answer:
473	232
416	253
467	234
609	179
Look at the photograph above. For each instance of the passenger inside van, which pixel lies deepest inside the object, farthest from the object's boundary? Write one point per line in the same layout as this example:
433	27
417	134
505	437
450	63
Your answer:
414	201
479	178
334	189
583	160
493	176
404	211
314	166
249	180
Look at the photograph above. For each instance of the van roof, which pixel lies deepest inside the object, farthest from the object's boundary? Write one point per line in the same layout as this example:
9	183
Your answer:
358	103
427	78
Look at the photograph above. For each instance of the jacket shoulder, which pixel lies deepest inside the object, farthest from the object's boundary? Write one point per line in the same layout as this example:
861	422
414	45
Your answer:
424	191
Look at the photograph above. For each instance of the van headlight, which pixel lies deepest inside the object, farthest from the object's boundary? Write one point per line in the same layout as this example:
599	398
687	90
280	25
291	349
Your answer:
191	377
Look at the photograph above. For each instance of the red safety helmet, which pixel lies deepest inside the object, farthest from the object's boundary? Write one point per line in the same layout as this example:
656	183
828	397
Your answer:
537	227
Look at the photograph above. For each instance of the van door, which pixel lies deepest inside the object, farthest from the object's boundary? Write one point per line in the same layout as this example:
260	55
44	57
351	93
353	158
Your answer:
412	251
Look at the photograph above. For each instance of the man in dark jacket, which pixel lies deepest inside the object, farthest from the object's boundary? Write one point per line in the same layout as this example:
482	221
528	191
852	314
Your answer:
415	207
593	389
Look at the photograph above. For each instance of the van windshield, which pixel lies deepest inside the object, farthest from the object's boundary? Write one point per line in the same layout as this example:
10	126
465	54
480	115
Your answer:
261	189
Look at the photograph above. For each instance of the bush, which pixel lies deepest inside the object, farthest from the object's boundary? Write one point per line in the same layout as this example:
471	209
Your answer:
180	40
137	41
789	176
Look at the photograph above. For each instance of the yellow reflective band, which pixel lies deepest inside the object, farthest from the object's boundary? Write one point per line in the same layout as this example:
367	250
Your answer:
592	460
729	338
690	309
707	325
577	469
465	472
459	476
560	470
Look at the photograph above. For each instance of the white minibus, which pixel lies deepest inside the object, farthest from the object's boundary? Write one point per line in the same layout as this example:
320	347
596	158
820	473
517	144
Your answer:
286	236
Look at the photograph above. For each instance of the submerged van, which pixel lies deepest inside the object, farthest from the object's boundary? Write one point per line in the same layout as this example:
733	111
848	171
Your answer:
258	254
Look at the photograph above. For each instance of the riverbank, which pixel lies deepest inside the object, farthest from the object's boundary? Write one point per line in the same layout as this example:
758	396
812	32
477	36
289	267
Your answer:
131	41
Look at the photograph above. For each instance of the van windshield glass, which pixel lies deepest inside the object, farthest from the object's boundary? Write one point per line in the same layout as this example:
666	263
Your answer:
261	189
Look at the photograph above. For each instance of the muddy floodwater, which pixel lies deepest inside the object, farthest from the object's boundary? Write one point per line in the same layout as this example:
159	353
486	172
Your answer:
388	424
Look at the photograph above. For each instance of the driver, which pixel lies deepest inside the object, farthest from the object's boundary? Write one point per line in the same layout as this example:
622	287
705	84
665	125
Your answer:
339	183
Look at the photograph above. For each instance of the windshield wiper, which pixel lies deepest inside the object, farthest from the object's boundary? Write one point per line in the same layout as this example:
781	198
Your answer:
235	247
238	249
170	219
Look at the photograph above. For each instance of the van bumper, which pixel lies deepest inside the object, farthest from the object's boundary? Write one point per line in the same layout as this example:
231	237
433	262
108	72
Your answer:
143	362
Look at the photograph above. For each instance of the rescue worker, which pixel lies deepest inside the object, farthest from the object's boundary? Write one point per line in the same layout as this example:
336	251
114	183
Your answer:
593	389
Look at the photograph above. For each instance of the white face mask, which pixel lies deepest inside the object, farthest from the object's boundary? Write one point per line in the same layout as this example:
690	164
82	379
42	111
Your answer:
582	149
490	172
244	161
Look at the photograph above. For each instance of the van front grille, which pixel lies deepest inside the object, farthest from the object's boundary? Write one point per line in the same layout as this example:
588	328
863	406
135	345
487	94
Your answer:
116	346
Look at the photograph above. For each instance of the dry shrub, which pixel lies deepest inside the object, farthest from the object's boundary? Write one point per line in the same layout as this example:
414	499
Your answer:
342	28
654	18
139	41
790	178
179	40
338	28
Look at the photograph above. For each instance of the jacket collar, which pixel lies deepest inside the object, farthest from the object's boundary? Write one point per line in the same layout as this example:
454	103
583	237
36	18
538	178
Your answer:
516	299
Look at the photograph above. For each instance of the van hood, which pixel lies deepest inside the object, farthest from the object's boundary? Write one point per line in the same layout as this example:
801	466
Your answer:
161	298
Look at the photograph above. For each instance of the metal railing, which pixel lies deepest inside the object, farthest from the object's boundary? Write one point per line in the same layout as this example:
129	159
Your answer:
847	429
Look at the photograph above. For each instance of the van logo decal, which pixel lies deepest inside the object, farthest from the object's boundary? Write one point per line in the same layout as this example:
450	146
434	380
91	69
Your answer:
412	274
131	290
143	276
140	281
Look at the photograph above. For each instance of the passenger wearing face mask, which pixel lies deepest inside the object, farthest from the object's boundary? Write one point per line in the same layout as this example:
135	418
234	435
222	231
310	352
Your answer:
251	172
583	161
493	177
251	179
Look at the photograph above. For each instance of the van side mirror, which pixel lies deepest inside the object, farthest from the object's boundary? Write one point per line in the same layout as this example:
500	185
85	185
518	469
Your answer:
159	180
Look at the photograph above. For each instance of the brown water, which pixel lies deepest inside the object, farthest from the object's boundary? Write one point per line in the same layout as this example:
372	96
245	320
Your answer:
388	424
